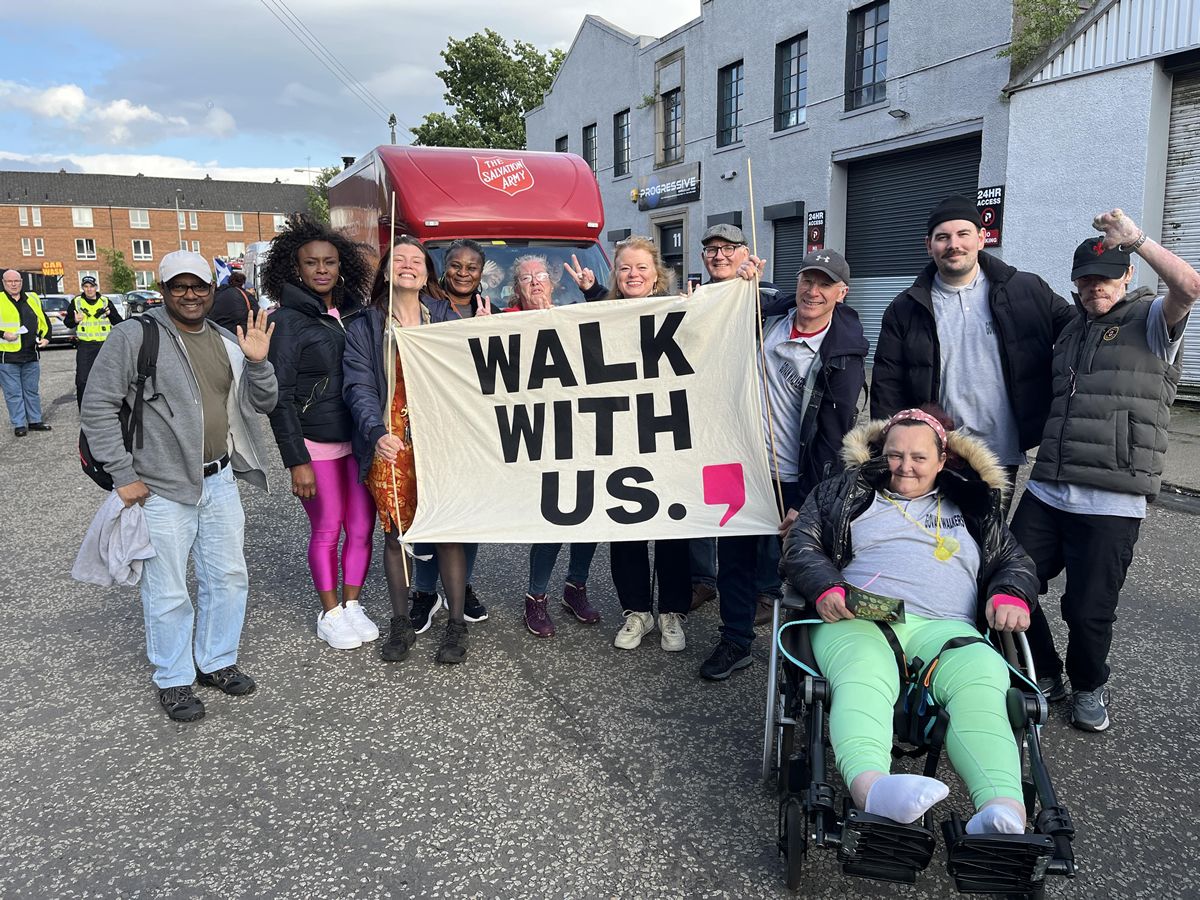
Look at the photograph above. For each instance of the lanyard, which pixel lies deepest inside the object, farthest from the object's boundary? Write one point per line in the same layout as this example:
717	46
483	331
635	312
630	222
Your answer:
944	547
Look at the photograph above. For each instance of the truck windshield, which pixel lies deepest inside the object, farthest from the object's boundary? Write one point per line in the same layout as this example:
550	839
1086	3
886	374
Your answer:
497	284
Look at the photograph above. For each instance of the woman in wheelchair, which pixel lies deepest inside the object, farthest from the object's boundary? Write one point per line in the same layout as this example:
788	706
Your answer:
916	521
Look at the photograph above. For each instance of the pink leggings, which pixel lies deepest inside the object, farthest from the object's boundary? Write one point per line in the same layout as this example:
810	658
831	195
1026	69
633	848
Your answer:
341	503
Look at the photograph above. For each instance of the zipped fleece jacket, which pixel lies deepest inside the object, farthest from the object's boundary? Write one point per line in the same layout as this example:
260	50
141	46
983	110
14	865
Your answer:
1028	317
169	461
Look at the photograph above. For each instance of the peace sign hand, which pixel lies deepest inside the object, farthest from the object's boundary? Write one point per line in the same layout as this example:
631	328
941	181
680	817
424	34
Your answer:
483	306
582	276
256	339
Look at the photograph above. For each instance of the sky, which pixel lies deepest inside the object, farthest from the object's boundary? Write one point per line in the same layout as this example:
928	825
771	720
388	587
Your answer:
161	88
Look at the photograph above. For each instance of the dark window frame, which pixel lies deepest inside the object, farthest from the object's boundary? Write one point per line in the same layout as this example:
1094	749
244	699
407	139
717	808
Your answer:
731	95
562	144
621	149
791	82
590	148
867	55
672	132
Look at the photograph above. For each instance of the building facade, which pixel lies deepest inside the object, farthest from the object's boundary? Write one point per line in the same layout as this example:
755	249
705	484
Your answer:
56	226
854	117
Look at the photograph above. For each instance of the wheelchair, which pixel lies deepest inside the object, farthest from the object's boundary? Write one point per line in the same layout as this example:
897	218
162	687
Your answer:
796	751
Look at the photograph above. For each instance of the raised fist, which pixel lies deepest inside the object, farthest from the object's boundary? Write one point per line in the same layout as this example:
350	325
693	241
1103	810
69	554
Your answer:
1118	228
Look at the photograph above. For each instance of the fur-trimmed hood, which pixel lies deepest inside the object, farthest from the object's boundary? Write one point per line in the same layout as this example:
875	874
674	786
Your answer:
865	443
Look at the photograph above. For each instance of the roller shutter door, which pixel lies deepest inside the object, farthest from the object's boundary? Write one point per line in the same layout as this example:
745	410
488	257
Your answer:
888	199
1181	205
789	252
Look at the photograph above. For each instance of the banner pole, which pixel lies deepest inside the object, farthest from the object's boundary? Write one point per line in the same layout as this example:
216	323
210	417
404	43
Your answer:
391	373
762	348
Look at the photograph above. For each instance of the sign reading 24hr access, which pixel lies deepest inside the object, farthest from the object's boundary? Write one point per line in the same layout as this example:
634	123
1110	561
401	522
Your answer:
990	201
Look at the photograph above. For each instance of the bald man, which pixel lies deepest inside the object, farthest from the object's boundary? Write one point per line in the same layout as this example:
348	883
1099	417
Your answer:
23	331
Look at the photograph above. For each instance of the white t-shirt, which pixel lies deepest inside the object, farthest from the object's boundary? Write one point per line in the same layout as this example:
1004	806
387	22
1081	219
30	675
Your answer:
790	363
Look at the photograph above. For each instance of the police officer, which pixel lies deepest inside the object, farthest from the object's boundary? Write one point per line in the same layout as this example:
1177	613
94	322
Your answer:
92	316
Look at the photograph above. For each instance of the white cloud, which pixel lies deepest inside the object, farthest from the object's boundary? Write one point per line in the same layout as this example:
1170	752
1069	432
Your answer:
148	164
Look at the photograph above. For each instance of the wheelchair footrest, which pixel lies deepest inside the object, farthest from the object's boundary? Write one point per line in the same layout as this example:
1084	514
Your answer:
996	863
875	847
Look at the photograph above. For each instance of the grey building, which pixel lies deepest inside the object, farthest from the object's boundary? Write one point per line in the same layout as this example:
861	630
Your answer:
855	116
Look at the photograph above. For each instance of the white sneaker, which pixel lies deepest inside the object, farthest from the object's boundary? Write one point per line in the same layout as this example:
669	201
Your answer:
337	630
366	630
671	626
637	625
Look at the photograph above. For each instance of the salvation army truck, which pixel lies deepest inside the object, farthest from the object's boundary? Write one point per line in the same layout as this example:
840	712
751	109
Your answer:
513	202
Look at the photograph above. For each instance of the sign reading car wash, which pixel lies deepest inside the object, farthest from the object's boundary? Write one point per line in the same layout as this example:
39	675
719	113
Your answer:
814	237
671	187
990	201
506	174
52	268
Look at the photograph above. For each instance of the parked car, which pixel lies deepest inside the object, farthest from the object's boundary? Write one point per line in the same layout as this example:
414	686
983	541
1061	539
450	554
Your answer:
137	302
55	307
118	300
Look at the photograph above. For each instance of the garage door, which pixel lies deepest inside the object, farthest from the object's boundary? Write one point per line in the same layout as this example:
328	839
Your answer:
789	252
888	199
1181	206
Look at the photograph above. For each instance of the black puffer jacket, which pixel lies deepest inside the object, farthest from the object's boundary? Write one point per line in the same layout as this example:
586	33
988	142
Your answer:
1027	316
306	350
818	546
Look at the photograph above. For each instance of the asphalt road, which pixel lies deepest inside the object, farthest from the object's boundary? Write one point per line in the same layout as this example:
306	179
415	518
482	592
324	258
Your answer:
560	768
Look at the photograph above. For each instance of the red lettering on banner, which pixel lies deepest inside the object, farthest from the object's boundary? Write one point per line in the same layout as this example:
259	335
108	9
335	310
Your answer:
504	173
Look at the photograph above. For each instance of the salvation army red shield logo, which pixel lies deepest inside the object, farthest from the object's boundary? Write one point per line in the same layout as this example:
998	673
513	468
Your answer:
506	174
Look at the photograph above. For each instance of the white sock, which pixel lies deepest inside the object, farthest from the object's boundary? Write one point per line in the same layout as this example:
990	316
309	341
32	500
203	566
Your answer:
904	798
996	818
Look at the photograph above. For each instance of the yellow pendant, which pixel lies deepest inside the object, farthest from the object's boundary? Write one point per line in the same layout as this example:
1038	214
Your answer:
946	548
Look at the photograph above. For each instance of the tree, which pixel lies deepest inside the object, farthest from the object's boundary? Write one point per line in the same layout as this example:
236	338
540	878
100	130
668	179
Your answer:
121	277
1037	23
318	193
490	85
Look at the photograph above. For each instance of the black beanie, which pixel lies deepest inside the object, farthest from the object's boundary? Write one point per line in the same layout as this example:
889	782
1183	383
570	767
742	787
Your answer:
956	206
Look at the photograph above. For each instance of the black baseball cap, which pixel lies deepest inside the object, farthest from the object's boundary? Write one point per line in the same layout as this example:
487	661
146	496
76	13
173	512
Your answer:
953	208
87	279
1092	259
830	262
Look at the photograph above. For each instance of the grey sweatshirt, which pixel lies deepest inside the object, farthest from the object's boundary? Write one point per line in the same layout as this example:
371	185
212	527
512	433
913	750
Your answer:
169	462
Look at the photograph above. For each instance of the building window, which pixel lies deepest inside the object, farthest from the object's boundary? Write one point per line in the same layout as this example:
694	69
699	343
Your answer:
866	80
621	143
39	247
589	146
791	82
35	213
139	218
144	279
560	144
195	246
235	249
193	222
729	104
26	247
22	215
142	250
84	273
280	223
672	135
233	222
179	220
81	216
85	248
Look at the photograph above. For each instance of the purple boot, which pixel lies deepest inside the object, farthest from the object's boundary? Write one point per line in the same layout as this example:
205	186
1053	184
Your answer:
537	617
576	600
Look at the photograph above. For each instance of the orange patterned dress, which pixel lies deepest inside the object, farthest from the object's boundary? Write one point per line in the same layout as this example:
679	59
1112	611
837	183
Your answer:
394	486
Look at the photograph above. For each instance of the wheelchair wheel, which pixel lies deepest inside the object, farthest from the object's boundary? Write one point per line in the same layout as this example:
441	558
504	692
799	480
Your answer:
785	743
795	842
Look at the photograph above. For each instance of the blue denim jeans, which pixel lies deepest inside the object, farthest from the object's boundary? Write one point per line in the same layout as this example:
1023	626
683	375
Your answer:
542	558
767	580
703	554
425	571
20	384
180	639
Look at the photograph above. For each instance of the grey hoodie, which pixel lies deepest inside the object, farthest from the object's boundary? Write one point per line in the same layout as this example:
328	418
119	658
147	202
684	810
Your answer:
169	461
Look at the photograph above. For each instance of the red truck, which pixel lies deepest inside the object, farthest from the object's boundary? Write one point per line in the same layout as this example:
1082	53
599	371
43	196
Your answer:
512	201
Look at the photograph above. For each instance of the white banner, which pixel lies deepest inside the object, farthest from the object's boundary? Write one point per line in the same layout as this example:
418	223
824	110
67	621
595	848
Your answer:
617	420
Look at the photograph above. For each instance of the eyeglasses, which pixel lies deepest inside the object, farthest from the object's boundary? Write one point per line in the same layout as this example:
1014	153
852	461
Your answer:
530	279
181	290
726	250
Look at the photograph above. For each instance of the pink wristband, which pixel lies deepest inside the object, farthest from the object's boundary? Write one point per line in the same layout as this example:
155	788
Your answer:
1009	600
836	589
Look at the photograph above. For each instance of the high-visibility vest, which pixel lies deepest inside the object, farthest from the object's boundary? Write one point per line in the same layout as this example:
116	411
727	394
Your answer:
91	318
10	319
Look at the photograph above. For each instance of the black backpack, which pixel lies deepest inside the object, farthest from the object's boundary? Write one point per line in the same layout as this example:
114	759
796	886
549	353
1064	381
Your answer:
131	418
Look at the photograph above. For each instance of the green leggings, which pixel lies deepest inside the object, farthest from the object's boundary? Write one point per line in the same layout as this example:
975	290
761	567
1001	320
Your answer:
970	682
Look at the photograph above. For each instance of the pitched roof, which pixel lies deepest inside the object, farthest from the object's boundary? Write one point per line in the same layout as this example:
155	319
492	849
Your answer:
142	192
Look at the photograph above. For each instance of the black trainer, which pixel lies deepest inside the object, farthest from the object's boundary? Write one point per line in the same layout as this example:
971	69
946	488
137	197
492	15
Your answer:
400	641
473	609
229	680
454	644
422	608
726	659
180	704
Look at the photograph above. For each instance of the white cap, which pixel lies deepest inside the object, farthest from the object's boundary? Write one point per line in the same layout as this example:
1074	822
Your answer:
178	262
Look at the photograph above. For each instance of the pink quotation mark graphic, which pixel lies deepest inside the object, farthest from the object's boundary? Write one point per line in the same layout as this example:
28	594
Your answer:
725	484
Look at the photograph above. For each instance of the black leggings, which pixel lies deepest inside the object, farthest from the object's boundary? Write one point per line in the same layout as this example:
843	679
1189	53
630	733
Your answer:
452	566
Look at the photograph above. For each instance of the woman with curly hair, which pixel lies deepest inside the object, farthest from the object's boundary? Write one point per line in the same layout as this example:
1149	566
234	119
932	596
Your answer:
383	441
320	277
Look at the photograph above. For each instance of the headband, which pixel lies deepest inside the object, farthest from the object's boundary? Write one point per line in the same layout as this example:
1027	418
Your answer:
918	415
